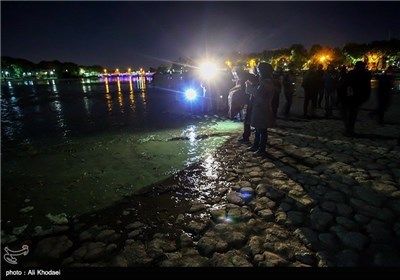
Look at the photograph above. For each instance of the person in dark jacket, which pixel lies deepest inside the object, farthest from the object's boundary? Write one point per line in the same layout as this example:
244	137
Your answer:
358	89
276	76
341	87
289	87
237	97
251	88
330	79
262	114
319	79
385	85
311	84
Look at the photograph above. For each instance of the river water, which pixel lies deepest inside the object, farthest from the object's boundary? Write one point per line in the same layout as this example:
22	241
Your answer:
78	146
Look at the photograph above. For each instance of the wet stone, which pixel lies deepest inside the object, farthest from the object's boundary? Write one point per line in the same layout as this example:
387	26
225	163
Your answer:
280	248
239	214
85	235
285	206
305	257
344	209
235	239
185	240
197	227
280	217
396	229
95	251
107	235
335	196
387	259
180	219
245	184
26	209
270	259
209	245
266	214
135	254
365	193
19	230
328	239
306	235
234	197
134	225
186	261
248	190
354	240
53	247
218	215
347	223
379	232
135	233
60	219
394	205
320	220
254	174
157	247
231	179
232	258
347	258
361	219
295	217
255	245
119	261
329	206
268	165
256	180
384	187
256	226
7	238
197	207
261	189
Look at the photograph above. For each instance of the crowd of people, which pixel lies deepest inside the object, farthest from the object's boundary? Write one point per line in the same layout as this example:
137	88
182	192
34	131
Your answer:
257	94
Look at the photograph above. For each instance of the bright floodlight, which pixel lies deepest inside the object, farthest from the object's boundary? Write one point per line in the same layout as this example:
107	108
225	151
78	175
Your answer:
190	94
208	70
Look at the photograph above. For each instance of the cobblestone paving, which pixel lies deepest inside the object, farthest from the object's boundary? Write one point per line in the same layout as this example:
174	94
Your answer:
318	199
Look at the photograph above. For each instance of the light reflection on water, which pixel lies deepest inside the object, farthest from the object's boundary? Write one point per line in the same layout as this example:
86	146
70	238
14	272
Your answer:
97	141
31	109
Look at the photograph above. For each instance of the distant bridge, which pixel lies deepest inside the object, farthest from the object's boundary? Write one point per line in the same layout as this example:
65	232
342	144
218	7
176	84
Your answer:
127	74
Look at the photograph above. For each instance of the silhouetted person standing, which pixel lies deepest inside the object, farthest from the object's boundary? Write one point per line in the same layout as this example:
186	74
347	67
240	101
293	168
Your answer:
319	77
330	84
358	92
311	84
237	97
341	87
262	116
277	92
385	85
251	88
289	87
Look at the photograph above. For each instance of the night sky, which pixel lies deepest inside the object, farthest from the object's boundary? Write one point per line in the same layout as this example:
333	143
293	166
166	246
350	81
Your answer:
143	34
